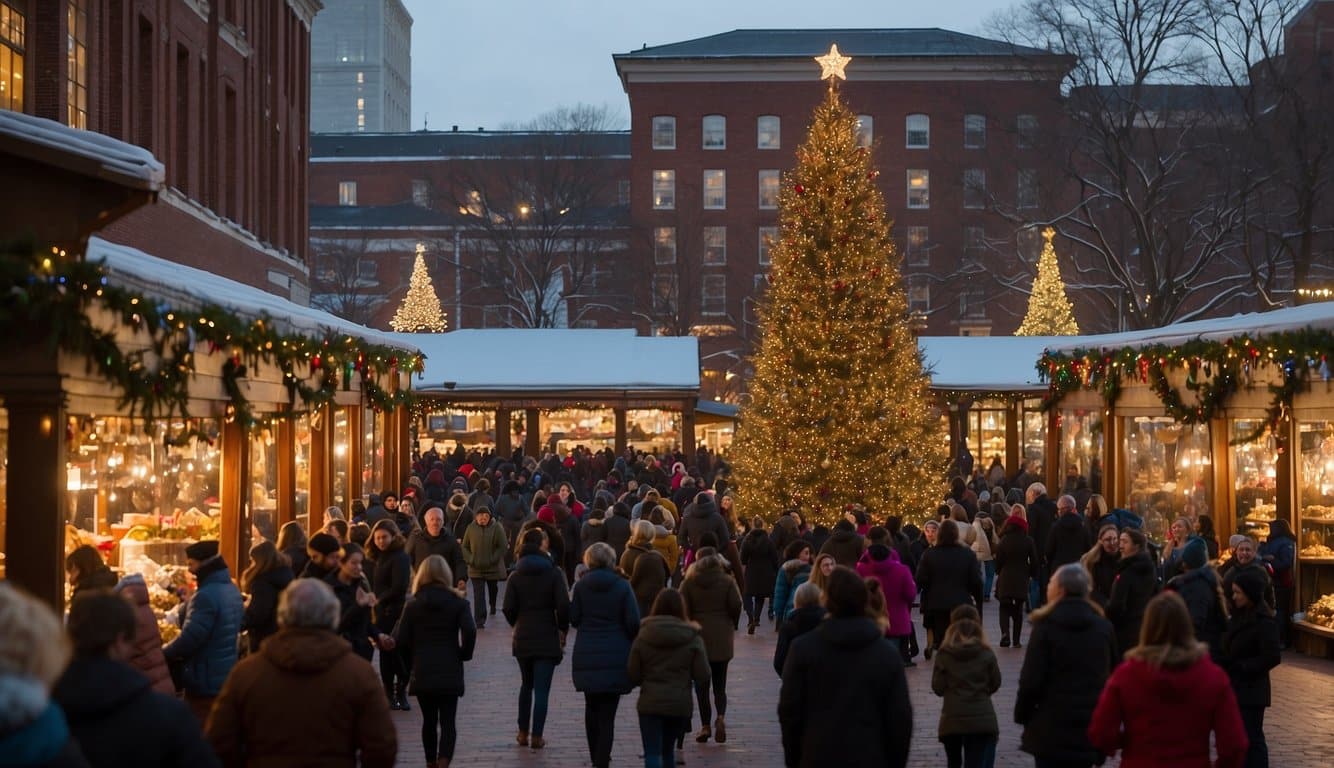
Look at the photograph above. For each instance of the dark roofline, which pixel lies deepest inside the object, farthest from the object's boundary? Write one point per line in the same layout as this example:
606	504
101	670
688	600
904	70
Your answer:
697	48
460	144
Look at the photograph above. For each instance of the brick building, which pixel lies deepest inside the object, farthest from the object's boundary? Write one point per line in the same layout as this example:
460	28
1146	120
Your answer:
219	91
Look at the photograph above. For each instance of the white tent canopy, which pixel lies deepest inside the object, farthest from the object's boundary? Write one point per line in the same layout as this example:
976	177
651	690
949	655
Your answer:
985	363
1319	315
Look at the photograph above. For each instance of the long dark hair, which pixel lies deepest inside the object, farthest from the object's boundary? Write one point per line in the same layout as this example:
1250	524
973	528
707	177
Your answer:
264	557
669	603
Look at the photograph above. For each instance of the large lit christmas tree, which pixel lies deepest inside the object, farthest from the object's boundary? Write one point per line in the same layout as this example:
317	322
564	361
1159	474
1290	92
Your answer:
839	411
420	311
1050	312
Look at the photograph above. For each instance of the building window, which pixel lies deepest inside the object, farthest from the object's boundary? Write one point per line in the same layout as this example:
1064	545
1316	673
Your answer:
715	132
919	255
1028	189
664	190
715	246
713	295
768	128
865	130
12	32
973	302
623	192
76	15
361	78
974	188
1028	131
768	239
1028	241
919	296
664	293
919	188
421	193
918	128
347	193
664	132
361	103
974	131
664	245
768	189
367	269
974	243
361	121
715	190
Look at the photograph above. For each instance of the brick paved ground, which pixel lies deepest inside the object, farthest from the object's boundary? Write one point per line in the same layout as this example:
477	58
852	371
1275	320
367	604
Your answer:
1300	725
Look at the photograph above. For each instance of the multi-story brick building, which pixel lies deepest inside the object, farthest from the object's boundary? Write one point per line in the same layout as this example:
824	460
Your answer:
361	67
218	91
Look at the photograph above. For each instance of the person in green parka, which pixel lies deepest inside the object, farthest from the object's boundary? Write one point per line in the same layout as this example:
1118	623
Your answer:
966	675
484	548
667	655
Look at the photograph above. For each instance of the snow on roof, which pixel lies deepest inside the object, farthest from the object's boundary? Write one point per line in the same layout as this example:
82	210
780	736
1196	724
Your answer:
985	363
536	359
1318	316
116	159
176	281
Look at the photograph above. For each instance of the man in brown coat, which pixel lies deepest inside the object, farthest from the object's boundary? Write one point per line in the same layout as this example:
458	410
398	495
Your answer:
305	698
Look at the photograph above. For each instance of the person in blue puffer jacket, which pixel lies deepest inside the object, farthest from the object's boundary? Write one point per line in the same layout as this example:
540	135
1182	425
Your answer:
206	648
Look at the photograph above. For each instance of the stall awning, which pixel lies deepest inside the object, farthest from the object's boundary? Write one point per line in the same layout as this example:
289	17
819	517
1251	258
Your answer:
991	364
528	361
1316	316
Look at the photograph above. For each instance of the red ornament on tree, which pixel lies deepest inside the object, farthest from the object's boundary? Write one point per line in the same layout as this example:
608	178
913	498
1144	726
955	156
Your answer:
800	190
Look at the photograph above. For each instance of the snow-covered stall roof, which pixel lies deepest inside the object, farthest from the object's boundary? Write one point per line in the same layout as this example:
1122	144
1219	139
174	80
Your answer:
548	359
985	363
106	157
170	280
1318	316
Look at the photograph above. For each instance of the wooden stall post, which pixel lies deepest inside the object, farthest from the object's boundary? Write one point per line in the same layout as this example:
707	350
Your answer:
1052	451
504	441
532	442
233	493
286	447
355	416
1220	471
688	431
622	433
1111	458
36	494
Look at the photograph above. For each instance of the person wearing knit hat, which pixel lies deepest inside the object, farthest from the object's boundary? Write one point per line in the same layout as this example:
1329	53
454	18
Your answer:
1199	586
1250	648
201	551
205	649
325	554
1196	553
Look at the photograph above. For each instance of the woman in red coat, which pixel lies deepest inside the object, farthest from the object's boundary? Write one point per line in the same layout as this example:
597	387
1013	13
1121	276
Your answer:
1160	706
147	657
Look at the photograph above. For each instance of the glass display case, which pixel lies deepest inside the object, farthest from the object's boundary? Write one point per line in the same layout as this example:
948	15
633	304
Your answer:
372	451
340	465
301	453
1168	471
1081	445
986	433
1254	480
263	482
1314	458
653	429
1032	438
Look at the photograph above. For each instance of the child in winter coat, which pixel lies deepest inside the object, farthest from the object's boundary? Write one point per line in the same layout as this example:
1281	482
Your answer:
966	675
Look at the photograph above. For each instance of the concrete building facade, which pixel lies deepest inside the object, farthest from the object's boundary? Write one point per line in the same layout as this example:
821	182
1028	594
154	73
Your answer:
361	67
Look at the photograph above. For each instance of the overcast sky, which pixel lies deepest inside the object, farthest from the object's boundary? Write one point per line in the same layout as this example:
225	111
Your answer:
503	61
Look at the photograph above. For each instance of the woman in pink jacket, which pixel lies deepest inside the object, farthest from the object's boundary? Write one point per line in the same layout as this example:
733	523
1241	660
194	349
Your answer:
881	562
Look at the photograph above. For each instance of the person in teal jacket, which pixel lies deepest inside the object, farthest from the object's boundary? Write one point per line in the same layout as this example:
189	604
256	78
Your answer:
795	571
206	648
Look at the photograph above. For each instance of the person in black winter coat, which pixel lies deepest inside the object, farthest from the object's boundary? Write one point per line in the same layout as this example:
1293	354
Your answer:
355	601
1041	516
760	560
844	699
605	612
1200	588
111	708
1068	540
435	539
617	523
1136	583
1016	559
806	615
537	605
268	575
844	544
1070	654
511	511
948	576
1100	562
1250	649
436	635
1243	561
700	517
391	575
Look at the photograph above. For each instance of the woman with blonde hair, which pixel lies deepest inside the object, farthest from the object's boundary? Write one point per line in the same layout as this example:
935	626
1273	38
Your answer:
823	566
1094	513
33	654
1100	562
267	576
1168	678
644	566
437	633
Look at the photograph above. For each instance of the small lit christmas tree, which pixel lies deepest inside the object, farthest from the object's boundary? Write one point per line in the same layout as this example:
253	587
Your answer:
839	411
420	311
1050	312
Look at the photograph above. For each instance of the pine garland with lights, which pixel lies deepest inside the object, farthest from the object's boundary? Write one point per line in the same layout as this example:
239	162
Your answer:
839	412
420	311
1050	312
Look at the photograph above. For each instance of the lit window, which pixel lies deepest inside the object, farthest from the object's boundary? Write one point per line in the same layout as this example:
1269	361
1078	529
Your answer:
361	103
361	78
715	190
974	131
664	245
865	130
974	188
1027	196
715	132
768	239
919	255
919	188
664	190
1028	131
361	121
76	89
768	128
347	193
918	128
715	246
12	31
768	189
713	295
664	132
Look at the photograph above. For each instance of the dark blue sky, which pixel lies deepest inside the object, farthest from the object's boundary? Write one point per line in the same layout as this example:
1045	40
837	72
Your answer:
490	63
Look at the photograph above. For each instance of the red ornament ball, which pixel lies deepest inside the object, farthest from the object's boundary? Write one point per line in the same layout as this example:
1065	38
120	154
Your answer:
800	190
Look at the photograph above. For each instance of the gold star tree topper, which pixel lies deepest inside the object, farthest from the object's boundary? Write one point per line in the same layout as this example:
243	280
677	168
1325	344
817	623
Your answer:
832	64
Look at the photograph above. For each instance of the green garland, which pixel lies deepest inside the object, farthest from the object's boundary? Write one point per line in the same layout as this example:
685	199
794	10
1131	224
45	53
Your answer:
57	293
1215	370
